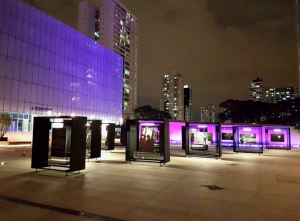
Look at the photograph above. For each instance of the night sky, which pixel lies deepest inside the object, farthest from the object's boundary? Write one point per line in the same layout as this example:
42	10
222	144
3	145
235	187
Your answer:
219	46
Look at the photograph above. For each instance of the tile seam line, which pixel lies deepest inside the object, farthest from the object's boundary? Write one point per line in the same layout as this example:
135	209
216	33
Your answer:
57	209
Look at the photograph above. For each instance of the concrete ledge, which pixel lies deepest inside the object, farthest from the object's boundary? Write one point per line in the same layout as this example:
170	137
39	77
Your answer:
15	143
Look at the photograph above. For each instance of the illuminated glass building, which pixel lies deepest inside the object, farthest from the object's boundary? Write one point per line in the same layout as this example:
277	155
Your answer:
48	68
118	32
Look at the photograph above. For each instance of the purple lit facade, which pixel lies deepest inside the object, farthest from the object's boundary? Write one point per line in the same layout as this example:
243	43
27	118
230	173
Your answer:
46	67
263	138
281	133
176	132
291	138
175	129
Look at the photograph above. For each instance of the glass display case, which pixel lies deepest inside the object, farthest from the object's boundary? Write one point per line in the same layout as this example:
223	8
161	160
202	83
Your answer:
148	140
247	139
202	139
278	138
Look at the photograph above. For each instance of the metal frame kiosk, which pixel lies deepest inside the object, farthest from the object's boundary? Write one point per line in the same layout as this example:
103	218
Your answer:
202	139
59	143
278	138
93	139
247	139
148	140
110	138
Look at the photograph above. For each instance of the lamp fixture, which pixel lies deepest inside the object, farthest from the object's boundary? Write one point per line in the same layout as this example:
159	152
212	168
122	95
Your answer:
147	124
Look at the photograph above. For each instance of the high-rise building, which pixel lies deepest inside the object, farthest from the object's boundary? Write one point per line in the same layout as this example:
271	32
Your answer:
208	113
48	68
87	13
297	8
275	95
118	32
172	96
165	101
256	91
188	116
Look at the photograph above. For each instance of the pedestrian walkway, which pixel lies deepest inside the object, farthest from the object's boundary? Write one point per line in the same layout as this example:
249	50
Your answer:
238	187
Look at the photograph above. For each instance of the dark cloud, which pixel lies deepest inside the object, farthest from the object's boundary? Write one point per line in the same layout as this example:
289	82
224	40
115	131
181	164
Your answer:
172	16
219	46
241	13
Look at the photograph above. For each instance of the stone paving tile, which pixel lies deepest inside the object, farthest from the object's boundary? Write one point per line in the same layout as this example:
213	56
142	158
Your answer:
256	188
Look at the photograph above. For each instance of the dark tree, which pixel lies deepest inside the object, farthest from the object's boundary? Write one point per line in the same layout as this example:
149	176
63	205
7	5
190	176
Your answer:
285	112
147	113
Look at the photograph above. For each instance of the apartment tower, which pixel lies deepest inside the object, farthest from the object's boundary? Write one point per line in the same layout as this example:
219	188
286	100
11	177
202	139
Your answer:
208	113
275	95
115	27
173	96
256	91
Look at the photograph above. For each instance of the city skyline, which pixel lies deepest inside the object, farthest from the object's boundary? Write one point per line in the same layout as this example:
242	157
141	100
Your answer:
217	52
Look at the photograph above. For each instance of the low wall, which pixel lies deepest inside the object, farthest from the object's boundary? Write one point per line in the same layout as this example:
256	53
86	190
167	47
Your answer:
295	138
19	136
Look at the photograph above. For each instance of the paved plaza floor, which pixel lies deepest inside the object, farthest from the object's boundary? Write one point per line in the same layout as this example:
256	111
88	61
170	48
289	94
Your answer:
252	187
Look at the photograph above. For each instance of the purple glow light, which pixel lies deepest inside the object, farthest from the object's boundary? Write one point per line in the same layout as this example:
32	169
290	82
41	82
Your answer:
60	68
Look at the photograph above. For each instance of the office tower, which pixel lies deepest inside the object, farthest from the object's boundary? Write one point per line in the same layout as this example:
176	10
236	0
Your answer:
275	95
188	116
256	91
208	113
118	32
48	68
172	96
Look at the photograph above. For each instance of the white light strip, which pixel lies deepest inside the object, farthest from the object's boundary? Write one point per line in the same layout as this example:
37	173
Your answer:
202	126
246	129
147	124
25	145
277	130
